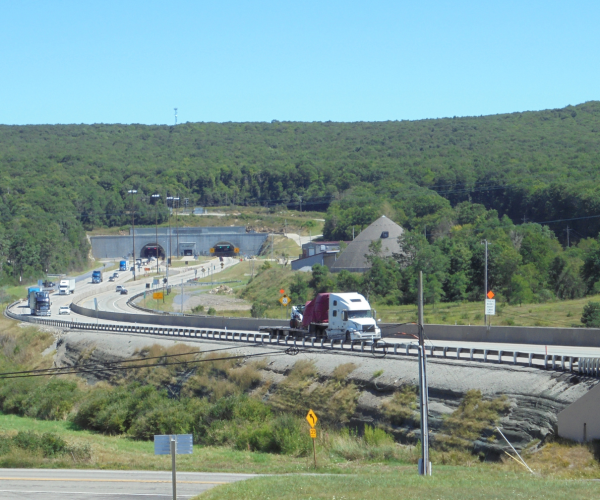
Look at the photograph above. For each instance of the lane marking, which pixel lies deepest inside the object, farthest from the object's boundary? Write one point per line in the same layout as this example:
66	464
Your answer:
74	480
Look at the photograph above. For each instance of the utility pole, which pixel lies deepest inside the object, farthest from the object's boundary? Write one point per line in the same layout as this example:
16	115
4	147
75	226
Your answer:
424	464
181	296
132	192
177	225
155	197
485	279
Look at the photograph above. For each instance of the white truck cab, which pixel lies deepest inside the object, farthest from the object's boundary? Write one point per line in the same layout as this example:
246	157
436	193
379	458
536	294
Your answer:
351	317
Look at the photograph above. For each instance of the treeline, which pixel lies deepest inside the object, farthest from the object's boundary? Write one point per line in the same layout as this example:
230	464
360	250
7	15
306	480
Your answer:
62	180
526	263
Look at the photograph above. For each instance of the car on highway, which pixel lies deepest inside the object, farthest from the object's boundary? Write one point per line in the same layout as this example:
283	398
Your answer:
112	278
64	310
119	288
124	291
115	274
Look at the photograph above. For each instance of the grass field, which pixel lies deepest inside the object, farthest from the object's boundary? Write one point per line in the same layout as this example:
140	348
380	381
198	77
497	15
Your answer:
447	483
565	313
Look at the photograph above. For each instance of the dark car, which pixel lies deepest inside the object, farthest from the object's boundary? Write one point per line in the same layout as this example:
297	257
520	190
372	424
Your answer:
124	291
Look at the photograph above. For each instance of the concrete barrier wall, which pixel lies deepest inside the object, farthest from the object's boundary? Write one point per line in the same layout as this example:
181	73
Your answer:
576	337
219	322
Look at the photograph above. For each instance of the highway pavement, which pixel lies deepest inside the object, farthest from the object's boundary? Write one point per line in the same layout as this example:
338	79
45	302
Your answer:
56	484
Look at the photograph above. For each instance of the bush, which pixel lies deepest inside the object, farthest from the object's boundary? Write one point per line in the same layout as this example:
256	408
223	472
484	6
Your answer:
258	310
591	315
198	309
212	311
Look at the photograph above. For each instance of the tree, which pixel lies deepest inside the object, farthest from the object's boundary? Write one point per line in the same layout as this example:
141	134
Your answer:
321	281
591	315
520	291
299	289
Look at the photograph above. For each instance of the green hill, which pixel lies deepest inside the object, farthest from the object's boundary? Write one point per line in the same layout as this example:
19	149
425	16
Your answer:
57	180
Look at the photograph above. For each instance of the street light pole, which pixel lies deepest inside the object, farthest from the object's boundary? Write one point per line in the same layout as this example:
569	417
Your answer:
177	224
485	279
156	197
132	192
424	467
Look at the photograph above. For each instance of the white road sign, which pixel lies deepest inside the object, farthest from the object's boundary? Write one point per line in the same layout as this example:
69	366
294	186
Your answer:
490	307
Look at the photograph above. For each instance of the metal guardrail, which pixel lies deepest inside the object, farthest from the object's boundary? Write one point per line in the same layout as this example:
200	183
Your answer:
584	366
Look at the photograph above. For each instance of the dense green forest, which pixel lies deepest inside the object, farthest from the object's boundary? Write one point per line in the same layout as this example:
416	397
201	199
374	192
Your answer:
58	181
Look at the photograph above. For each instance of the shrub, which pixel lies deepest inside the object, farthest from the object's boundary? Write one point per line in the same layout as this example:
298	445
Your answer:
47	443
402	406
211	311
591	315
472	417
198	309
258	310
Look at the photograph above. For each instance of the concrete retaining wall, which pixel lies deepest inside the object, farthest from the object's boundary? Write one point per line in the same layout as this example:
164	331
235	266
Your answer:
251	324
576	337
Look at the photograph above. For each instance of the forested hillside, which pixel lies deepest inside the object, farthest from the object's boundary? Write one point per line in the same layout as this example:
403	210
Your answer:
57	181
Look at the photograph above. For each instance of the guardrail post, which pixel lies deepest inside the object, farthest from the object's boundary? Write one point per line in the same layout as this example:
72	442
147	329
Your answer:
554	361
431	349
395	348
312	342
408	349
445	351
322	341
362	346
331	344
571	364
545	361
485	353
471	354
562	363
458	352
530	359
515	358
500	356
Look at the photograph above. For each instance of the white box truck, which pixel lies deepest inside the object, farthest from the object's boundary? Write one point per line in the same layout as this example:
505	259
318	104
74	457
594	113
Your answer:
66	286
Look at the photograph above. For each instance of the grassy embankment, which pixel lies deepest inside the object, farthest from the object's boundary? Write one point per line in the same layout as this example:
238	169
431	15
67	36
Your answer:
255	218
376	463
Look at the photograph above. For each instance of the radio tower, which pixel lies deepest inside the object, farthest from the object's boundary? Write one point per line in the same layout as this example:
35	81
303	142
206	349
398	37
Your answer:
175	116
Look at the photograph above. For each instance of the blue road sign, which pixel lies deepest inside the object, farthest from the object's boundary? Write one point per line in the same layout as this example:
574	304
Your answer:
162	444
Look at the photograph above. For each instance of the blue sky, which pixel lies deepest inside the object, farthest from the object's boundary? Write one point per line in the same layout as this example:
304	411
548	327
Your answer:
132	61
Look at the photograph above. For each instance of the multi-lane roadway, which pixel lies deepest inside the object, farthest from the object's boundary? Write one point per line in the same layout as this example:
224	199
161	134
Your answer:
45	484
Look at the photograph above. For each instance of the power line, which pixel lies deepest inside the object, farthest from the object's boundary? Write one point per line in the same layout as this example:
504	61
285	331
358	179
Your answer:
85	369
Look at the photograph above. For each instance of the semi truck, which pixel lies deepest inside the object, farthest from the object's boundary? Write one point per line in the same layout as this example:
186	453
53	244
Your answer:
66	286
123	265
42	304
334	316
97	277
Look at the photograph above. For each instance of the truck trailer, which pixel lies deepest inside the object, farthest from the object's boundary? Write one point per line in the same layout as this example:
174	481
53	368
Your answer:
31	291
66	286
97	277
334	316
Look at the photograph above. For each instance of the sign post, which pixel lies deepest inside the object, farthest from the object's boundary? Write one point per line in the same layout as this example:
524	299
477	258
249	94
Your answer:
311	418
175	444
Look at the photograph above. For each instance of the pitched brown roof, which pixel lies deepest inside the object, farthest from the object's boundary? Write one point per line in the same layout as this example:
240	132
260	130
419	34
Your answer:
353	257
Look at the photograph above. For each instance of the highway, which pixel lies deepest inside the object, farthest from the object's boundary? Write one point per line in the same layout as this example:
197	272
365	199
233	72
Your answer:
57	484
110	300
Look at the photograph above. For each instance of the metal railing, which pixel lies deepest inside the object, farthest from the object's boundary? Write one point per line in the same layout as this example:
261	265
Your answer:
587	366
